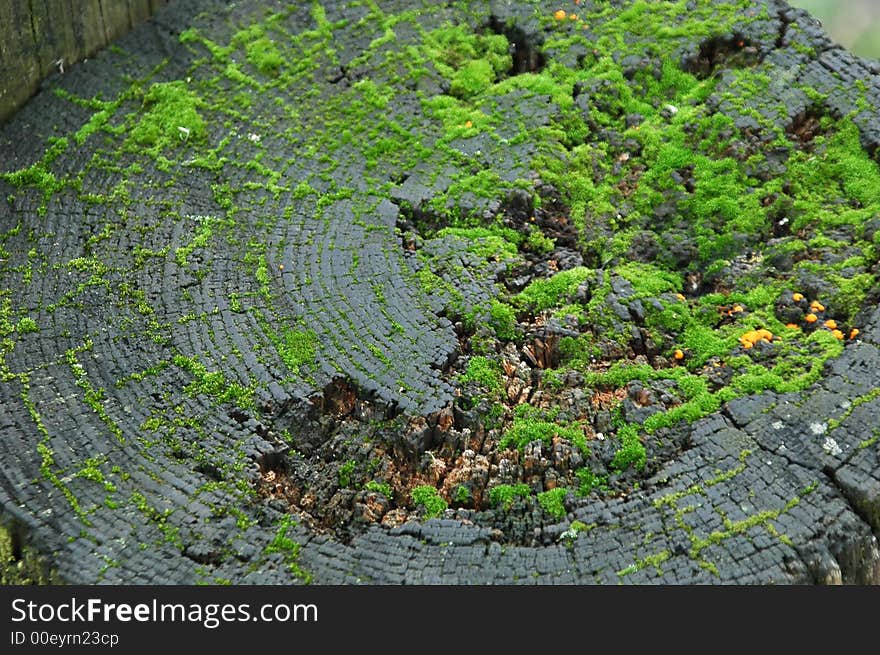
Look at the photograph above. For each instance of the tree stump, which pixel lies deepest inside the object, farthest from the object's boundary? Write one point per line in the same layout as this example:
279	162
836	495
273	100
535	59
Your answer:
486	292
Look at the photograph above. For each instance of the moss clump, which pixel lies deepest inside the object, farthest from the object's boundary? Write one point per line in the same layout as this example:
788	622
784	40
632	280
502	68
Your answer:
506	494
380	488
39	174
487	242
502	319
26	325
543	294
462	495
485	372
588	481
532	424
170	116
553	501
345	472
298	348
429	498
538	242
649	280
472	78
471	62
213	383
261	51
631	452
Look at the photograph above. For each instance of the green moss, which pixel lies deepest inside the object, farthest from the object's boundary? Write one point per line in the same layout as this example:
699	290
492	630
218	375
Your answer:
672	499
39	174
506	494
303	190
262	53
213	383
380	488
298	348
492	243
429	498
502	319
99	121
471	62
170	117
483	371
631	452
543	294
207	225
462	495
589	481
432	284
701	405
553	501
47	470
345	472
538	242
472	78
732	528
851	292
92	396
854	404
649	280
867	443
26	325
533	424
289	548
651	560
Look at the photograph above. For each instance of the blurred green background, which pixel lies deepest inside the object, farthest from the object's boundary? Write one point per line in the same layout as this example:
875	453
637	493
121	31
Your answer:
854	24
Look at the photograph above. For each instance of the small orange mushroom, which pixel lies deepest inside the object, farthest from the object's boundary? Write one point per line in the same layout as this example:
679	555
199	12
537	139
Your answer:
468	124
767	335
816	306
811	318
679	354
831	324
792	326
572	17
560	14
737	309
752	337
854	333
837	334
680	297
797	297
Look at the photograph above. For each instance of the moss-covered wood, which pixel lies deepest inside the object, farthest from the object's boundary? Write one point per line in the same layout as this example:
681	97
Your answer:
466	276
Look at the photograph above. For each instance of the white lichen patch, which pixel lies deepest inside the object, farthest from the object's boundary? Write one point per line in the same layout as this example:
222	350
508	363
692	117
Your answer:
830	446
